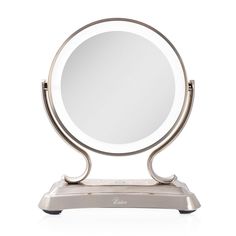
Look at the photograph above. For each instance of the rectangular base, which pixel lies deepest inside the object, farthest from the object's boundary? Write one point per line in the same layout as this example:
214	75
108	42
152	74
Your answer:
119	193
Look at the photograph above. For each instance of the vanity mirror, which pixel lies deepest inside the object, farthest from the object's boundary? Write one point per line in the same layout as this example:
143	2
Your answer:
118	87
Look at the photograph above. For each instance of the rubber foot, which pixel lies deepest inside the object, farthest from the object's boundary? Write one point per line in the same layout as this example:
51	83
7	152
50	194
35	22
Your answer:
52	212
186	212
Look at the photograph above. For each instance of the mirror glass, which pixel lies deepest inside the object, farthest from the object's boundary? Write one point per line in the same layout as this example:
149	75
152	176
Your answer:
117	87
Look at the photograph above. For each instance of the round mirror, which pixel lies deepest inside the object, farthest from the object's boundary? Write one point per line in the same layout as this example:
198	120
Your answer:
117	86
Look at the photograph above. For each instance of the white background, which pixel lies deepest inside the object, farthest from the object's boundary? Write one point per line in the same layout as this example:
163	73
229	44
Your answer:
32	155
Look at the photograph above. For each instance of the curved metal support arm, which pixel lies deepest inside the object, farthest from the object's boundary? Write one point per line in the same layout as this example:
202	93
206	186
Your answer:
76	180
69	180
172	135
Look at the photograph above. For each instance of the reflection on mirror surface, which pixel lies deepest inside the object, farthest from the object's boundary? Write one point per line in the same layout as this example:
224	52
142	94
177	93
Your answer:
117	87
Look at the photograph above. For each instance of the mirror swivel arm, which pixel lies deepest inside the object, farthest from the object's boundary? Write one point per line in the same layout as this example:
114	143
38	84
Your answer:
68	179
172	134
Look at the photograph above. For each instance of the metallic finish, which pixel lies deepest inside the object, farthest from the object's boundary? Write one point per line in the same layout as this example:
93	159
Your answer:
159	192
76	142
172	135
59	129
119	194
